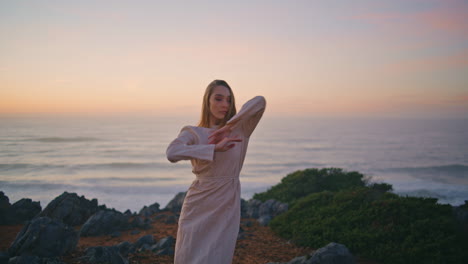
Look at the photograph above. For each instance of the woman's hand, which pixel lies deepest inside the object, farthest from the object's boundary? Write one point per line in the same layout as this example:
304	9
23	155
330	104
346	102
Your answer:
219	134
227	143
221	137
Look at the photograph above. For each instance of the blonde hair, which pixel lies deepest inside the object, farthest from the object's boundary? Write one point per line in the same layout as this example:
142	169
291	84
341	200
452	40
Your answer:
205	114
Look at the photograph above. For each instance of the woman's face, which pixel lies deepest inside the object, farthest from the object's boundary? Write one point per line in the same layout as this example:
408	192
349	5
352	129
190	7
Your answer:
220	101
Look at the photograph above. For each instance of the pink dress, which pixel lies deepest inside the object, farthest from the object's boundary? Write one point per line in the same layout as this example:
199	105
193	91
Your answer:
210	216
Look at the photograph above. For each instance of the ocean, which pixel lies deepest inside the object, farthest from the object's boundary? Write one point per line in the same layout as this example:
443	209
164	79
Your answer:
121	161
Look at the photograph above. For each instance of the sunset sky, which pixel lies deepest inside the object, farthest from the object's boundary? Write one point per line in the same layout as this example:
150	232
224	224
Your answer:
396	58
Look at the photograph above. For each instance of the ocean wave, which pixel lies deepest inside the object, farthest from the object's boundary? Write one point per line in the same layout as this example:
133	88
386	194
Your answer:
122	165
63	139
443	174
283	164
34	184
91	166
117	190
449	195
19	166
126	180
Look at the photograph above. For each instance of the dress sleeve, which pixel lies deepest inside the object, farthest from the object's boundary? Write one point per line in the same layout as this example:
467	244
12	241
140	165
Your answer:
249	115
185	147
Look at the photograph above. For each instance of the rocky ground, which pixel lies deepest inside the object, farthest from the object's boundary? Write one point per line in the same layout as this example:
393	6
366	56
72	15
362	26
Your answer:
73	229
257	244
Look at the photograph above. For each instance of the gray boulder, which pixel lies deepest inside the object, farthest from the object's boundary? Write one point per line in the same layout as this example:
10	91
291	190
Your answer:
253	208
264	220
243	208
175	205
332	253
148	211
71	209
44	237
139	222
144	240
272	208
125	248
266	211
25	259
105	222
23	210
95	255
4	208
4	257
165	246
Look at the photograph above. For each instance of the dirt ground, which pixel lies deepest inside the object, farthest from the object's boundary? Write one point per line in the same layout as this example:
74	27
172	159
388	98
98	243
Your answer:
259	244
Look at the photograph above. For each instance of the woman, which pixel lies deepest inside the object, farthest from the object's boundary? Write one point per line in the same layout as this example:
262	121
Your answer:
210	216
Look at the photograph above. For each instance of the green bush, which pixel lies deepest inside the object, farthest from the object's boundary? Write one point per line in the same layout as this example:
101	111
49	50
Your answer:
376	224
304	182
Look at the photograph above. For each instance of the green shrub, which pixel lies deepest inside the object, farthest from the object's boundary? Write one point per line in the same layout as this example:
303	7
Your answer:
304	182
375	224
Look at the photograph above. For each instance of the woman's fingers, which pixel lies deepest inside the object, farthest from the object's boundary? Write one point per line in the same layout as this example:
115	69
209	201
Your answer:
219	135
222	132
227	143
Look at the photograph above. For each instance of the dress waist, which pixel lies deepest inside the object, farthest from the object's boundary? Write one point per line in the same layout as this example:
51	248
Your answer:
203	178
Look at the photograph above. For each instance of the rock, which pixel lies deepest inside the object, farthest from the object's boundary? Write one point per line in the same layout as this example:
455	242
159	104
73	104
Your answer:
149	211
299	260
165	251
128	212
266	208
4	208
165	242
71	209
125	248
104	255
266	211
164	246
4	257
23	210
148	239
25	259
243	208
272	208
52	261
44	237
264	220
139	222
104	222
252	208
135	232
175	205
331	254
280	208
145	247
